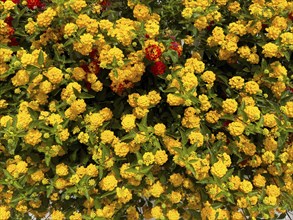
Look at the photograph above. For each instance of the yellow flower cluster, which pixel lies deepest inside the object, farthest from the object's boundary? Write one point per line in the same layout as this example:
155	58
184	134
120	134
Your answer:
45	18
141	103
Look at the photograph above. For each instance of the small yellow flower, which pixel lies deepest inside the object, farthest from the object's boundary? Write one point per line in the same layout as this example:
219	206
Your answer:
161	157
157	189
33	137
128	122
196	138
268	157
246	186
173	214
273	190
236	82
57	215
251	88
37	176
219	169
229	106
108	183
270	200
157	212
236	128
61	169
148	158
124	195
259	181
160	129
5	213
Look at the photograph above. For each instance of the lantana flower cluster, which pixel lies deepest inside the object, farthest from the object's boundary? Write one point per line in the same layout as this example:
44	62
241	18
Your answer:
178	109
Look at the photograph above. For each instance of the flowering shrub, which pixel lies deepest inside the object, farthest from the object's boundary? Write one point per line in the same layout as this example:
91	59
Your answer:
178	109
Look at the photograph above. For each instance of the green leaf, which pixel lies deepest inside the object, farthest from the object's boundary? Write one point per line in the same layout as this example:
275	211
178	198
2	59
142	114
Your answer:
82	95
7	73
213	156
16	199
142	128
101	172
228	174
264	64
115	72
190	168
50	189
84	158
145	170
208	180
41	58
68	42
73	155
17	185
47	160
130	136
108	194
32	68
172	54
184	139
132	170
169	90
287	55
223	78
7	174
87	195
34	114
156	143
144	120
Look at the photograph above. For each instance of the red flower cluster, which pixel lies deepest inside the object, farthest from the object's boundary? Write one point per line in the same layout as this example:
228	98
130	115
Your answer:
177	47
153	52
14	1
92	67
10	30
105	4
158	68
290	15
33	4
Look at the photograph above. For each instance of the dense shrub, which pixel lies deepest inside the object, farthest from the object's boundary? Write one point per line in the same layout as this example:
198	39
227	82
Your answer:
172	109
